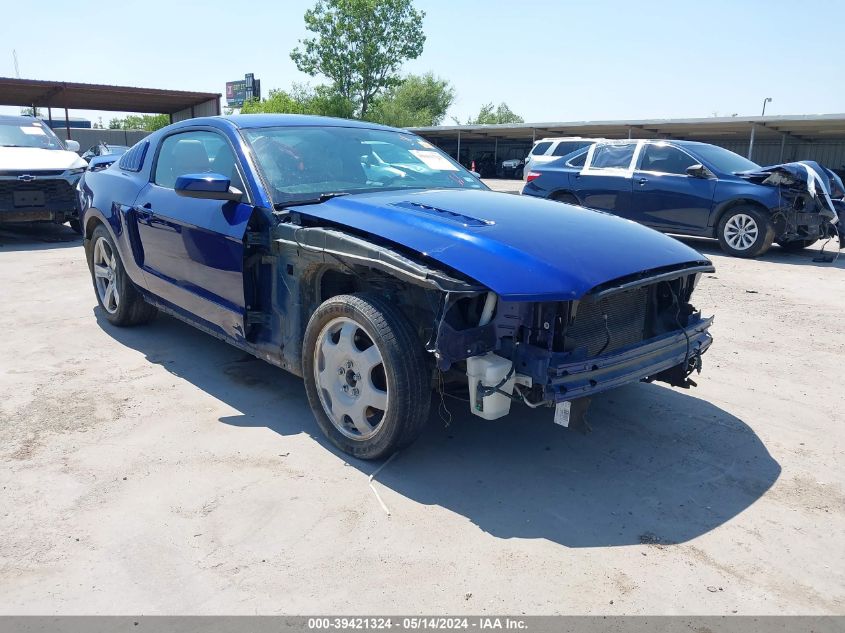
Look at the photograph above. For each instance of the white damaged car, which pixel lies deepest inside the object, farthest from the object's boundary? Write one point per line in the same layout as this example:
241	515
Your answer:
38	173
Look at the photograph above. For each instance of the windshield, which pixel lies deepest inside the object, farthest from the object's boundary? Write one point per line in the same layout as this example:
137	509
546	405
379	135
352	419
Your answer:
303	163
26	133
724	160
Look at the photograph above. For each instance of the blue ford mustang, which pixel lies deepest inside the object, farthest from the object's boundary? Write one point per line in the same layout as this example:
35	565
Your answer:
697	189
373	265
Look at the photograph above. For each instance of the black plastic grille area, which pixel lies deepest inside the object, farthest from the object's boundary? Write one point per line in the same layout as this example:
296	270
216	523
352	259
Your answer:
59	195
626	316
14	173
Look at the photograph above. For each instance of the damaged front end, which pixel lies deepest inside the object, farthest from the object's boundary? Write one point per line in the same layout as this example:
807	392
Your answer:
638	328
812	201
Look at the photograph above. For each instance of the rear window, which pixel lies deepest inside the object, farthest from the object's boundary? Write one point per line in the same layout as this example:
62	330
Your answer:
540	148
567	147
613	156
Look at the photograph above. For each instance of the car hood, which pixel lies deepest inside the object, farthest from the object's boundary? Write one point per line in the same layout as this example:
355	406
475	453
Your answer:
35	158
522	248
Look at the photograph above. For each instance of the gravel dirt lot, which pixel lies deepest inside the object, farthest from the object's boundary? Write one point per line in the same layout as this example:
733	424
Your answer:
156	470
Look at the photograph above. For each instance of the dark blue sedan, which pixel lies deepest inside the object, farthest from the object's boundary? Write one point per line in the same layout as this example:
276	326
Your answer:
697	189
370	263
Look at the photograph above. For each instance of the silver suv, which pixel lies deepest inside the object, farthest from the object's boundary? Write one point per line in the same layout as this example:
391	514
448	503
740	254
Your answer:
546	150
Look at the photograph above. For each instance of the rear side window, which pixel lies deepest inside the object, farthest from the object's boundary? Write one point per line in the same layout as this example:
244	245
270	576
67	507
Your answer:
133	160
578	161
613	156
540	148
567	147
197	152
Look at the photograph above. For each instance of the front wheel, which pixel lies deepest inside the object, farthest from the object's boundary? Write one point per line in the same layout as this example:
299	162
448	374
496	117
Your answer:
365	375
745	232
119	299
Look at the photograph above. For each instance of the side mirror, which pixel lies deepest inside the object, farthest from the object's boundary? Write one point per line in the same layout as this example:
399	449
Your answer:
698	171
207	187
72	146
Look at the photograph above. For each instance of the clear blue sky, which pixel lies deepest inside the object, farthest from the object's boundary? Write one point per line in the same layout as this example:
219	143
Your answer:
549	60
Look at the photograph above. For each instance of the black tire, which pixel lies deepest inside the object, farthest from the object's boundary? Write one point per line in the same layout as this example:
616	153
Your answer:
76	225
405	375
130	308
730	239
519	174
796	245
566	198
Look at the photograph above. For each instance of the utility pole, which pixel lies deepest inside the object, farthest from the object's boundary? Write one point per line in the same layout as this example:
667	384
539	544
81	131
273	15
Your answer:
754	127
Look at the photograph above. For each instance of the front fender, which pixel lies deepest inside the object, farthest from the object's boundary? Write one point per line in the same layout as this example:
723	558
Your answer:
128	248
730	193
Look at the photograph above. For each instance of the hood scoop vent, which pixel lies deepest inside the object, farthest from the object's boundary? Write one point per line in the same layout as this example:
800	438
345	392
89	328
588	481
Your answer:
443	214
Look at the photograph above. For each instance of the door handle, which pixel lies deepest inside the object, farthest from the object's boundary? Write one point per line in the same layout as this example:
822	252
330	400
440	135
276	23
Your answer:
642	181
144	213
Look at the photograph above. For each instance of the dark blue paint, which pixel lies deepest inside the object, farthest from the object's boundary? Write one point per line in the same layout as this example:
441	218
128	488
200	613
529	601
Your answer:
533	250
186	254
680	204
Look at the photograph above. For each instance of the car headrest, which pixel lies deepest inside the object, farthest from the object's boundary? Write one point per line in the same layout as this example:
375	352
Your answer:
190	156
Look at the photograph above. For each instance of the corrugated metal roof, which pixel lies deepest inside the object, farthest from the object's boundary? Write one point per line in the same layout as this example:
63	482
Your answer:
63	94
799	127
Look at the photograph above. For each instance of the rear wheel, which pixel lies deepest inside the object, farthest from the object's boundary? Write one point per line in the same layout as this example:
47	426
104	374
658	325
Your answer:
120	301
796	245
745	231
365	375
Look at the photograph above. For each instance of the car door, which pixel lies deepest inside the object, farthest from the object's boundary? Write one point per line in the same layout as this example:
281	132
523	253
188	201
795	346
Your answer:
605	180
192	249
665	196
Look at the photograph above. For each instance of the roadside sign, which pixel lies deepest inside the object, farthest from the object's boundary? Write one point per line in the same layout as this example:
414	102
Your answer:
242	90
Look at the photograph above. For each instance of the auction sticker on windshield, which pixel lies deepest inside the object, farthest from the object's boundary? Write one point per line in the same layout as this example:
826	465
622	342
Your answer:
33	131
434	160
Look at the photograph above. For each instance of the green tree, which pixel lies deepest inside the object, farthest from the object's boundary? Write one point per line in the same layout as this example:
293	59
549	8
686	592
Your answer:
32	111
302	99
147	122
419	101
360	45
488	115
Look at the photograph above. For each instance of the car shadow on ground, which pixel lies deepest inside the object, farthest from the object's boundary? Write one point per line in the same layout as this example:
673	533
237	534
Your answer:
660	466
37	236
776	255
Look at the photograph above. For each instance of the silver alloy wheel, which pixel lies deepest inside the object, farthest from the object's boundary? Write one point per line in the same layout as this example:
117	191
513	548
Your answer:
350	376
105	275
741	232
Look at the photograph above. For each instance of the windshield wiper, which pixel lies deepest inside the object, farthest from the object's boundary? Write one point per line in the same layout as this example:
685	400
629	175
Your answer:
323	197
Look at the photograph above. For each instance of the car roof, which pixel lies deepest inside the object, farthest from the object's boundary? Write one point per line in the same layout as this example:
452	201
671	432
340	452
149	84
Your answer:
678	142
248	121
14	118
567	138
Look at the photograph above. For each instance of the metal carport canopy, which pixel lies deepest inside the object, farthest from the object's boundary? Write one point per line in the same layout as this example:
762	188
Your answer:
810	127
63	94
